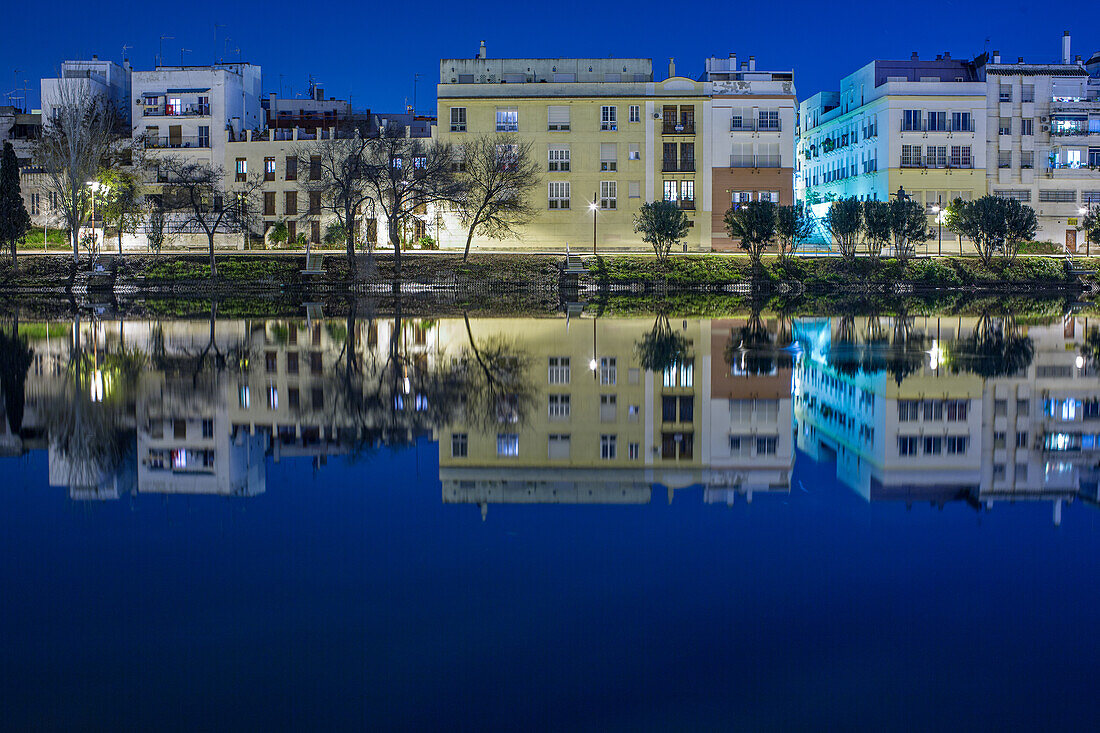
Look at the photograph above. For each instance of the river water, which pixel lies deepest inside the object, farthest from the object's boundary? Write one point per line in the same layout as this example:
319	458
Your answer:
586	523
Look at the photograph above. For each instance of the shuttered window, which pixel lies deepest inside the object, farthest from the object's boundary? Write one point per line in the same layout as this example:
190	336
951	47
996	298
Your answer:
558	117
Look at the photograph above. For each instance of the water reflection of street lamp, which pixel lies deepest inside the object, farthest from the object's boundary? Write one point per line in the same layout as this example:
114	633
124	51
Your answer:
938	211
592	364
594	207
935	355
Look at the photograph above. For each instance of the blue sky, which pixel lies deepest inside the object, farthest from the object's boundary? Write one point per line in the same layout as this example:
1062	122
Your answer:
371	51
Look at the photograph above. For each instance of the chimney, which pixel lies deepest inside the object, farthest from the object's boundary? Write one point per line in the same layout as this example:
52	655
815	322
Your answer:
914	57
752	63
671	67
744	66
1019	59
481	51
733	62
939	57
96	58
1077	60
1065	48
946	55
996	57
319	94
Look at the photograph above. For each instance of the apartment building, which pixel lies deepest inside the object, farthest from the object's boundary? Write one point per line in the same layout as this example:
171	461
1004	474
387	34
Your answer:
1043	133
610	137
913	124
94	77
184	110
750	134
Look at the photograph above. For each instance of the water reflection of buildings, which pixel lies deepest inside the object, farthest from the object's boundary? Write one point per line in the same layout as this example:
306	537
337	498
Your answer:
945	409
560	410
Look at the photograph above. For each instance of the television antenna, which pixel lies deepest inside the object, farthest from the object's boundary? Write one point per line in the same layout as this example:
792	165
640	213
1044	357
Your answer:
160	58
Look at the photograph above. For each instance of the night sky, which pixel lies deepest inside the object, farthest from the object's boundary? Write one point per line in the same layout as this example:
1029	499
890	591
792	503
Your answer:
371	51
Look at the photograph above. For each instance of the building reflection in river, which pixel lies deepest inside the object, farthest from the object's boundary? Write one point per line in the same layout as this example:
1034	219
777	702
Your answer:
565	410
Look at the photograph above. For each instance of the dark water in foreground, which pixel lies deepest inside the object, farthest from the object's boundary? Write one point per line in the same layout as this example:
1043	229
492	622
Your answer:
213	555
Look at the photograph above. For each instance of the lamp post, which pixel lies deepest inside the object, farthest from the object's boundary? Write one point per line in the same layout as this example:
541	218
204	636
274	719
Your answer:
594	207
1082	212
938	211
94	186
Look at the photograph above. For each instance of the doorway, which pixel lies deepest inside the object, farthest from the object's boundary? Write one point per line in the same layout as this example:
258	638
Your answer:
1071	241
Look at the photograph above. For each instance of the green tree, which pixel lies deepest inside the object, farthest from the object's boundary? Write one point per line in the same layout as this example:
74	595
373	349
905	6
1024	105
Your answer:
662	224
876	226
793	226
334	233
279	233
1090	225
157	233
754	224
995	225
14	220
845	223
907	227
499	175
123	206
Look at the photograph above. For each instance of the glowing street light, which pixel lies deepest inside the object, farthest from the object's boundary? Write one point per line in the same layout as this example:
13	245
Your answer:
593	207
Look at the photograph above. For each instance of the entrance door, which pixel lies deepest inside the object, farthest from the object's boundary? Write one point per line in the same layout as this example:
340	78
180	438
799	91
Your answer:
1071	241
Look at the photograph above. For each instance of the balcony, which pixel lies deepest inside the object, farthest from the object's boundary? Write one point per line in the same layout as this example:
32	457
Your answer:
190	110
182	141
923	126
686	204
755	161
678	128
683	166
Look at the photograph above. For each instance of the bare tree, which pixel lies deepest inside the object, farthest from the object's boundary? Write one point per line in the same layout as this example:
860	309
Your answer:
342	166
79	137
500	172
198	194
407	174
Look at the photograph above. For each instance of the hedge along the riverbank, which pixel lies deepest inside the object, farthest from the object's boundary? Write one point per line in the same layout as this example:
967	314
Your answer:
528	273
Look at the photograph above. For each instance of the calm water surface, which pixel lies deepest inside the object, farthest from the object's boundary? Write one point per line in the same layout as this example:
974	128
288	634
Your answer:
386	523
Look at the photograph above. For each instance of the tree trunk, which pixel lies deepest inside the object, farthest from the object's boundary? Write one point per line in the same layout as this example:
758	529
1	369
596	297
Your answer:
395	240
13	263
120	240
213	265
469	237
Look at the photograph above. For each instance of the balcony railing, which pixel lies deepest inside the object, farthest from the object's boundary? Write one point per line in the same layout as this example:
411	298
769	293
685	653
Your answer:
934	164
755	126
683	166
678	128
755	161
191	110
184	141
687	204
1072	131
923	126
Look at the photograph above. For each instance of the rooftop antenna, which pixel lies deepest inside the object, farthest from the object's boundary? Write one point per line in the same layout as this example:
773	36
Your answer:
216	26
416	78
125	48
160	57
15	84
182	52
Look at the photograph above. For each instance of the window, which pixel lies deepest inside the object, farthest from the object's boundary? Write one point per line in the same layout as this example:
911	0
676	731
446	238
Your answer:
961	122
269	169
635	113
1021	472
935	156
272	397
768	119
633	451
910	156
1023	408
999	439
1004	126
557	446
1004	159
292	168
911	120
933	445
907	445
681	374
1021	440
204	136
672	191
290	203
687	194
269	203
244	396
557	117
270	362
315	167
608	370
956	445
458	119
937	121
608	119
558	158
1027	159
609	406
314	202
1027	126
459	445
960	156
1027	93
559	370
634	189
998	471
507	120
957	410
932	409
1000	408
608	194
607	447
242	169
292	361
508	444
675	445
609	156
907	410
766	445
1006	93
559	406
558	192
633	151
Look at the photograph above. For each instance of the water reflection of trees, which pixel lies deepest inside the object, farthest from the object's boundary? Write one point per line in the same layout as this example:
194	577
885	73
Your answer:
661	347
996	348
15	360
754	351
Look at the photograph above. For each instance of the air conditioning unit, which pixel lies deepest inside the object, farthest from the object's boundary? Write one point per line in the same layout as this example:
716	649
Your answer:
1045	128
656	115
1042	119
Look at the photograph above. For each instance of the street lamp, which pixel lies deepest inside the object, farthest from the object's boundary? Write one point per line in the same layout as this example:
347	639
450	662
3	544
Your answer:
594	207
94	186
938	211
